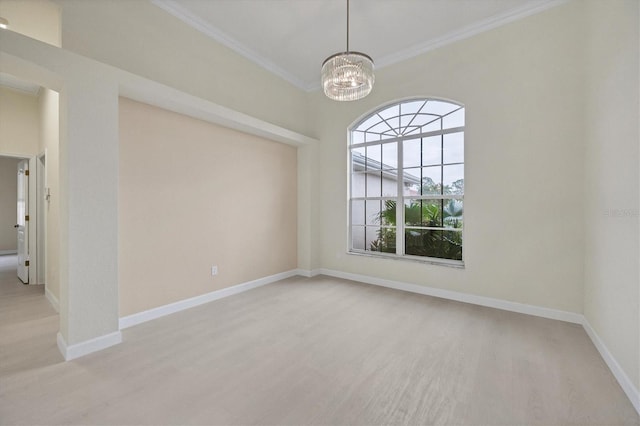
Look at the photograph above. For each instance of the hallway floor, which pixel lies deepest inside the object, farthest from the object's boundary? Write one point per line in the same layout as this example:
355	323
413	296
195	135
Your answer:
28	323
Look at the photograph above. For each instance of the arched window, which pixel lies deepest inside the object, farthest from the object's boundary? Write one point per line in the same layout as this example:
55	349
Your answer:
407	181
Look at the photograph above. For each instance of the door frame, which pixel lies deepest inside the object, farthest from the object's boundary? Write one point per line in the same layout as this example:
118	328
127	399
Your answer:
23	220
34	238
42	198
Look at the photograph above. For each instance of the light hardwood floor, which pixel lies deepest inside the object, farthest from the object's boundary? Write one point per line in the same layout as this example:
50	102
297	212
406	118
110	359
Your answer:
28	325
309	351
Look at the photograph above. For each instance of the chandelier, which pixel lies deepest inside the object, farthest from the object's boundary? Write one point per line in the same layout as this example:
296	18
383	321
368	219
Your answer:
347	76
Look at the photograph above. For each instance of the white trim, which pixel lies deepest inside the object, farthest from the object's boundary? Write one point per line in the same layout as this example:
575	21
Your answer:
70	352
625	382
156	94
176	9
449	263
307	273
505	305
21	86
52	299
5	252
41	218
467	32
161	311
33	221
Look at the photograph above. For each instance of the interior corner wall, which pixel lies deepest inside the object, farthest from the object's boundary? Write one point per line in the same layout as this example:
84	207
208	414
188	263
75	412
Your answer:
142	38
19	123
308	229
38	19
8	197
193	195
612	210
49	142
522	86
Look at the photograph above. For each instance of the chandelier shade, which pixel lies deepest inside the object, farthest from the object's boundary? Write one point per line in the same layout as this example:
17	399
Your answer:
347	76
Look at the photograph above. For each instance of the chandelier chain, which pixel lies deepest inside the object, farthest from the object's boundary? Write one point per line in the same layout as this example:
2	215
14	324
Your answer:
347	25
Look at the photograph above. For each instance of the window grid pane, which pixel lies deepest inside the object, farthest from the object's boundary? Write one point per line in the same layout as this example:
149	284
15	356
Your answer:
428	169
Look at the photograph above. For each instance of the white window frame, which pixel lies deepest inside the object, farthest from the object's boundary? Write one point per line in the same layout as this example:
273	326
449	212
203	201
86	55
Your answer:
400	198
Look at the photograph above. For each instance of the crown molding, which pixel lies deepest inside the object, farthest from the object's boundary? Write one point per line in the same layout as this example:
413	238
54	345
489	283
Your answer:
468	31
174	8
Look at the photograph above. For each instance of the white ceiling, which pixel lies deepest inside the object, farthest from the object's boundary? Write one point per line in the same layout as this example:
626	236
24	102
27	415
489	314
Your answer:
291	38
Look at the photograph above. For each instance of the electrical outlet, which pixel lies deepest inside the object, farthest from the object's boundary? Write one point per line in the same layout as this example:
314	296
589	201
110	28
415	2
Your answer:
214	270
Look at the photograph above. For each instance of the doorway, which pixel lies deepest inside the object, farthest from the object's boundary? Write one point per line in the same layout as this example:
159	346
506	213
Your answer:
8	198
31	132
23	216
22	221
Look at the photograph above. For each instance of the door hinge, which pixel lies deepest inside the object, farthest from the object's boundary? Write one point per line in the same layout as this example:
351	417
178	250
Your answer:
26	218
26	263
26	172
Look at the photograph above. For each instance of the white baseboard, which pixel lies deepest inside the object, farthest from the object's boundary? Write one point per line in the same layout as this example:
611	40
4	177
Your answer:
3	252
308	273
571	317
70	352
625	382
144	316
505	305
627	385
52	299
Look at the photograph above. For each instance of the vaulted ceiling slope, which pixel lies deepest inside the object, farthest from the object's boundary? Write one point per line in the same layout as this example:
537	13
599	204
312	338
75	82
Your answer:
291	38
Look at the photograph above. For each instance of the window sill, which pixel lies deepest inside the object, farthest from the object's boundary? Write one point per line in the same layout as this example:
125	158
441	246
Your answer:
457	264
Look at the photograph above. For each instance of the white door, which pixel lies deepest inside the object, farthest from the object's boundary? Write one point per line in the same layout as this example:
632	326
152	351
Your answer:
23	221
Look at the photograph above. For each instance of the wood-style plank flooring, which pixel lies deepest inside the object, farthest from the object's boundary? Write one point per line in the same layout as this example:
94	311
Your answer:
28	325
309	351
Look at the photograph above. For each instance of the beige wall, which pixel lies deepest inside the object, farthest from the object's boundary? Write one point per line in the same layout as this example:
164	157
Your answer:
48	143
193	195
612	279
19	130
19	133
522	89
8	197
139	37
38	19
